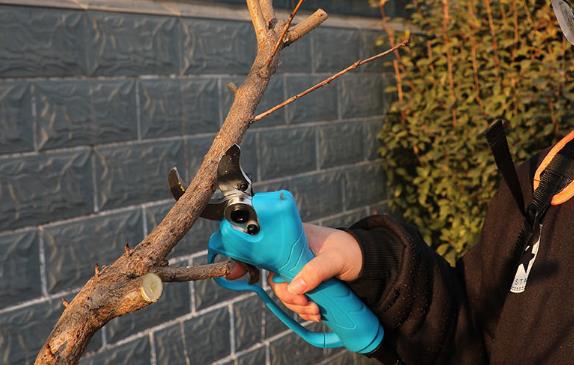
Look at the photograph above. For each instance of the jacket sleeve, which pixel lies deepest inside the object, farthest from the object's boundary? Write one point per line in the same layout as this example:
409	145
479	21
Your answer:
418	297
432	312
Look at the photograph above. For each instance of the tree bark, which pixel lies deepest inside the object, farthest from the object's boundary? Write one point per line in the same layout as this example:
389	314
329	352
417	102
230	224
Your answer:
119	289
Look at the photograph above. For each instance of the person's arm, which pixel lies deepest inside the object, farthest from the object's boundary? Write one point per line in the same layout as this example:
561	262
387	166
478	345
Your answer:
419	299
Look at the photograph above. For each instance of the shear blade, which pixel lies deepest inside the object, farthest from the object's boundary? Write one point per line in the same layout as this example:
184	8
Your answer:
175	184
214	210
230	175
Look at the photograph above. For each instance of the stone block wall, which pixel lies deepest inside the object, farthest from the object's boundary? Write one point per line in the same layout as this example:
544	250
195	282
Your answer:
95	107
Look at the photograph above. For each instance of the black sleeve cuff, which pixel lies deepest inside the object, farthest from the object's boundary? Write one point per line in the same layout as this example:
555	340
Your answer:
382	252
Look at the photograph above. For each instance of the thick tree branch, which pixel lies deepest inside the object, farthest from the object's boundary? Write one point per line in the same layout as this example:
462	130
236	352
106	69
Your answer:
329	80
306	26
115	291
90	310
178	274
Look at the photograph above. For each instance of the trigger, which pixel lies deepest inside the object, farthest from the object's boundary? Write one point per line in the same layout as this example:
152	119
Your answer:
278	279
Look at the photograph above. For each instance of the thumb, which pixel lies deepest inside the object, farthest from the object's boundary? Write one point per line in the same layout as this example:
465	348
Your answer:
319	269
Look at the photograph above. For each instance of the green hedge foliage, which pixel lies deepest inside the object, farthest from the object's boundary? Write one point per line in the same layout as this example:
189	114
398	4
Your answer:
470	62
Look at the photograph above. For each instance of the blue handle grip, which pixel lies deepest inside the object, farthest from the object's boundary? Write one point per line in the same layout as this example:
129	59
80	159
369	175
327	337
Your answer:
281	247
324	340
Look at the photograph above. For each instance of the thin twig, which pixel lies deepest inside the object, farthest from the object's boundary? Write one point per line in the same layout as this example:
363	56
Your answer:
396	62
282	36
329	80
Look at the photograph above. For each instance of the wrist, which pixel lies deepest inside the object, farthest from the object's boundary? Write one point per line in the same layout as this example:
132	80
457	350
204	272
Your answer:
352	257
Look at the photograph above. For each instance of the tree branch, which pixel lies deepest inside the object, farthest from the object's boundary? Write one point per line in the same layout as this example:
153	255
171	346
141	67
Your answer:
268	13
90	310
179	274
115	291
286	28
329	80
258	20
306	26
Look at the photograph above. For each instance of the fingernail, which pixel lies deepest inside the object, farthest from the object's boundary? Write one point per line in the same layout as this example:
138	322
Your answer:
297	286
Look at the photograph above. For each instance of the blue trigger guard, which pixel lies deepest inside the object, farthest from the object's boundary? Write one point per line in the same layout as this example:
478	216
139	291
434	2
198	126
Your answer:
317	339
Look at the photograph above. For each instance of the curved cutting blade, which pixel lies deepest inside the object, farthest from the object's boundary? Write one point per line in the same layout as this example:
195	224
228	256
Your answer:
175	183
230	175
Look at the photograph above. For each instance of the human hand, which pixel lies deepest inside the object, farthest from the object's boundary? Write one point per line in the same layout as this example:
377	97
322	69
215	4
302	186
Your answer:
337	254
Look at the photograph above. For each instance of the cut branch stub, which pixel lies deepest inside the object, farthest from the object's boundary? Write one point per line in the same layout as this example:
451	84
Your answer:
151	287
306	26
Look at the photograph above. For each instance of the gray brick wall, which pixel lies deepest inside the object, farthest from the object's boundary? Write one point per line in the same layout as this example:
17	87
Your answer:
95	107
346	7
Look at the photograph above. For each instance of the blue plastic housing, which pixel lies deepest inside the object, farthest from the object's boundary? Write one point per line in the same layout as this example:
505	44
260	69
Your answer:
281	247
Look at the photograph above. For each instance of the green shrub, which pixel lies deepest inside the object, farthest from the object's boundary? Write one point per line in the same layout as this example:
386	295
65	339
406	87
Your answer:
470	62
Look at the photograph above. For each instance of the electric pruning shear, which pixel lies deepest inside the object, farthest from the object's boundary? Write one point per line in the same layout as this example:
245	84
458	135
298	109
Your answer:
264	231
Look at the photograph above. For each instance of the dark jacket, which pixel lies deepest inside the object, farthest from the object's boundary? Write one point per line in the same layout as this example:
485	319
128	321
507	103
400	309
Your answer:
433	313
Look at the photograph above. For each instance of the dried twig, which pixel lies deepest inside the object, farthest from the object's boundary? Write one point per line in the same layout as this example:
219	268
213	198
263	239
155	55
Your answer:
329	80
286	28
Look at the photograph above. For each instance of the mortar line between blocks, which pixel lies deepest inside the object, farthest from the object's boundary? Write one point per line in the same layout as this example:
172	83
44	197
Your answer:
192	299
138	111
344	193
318	123
94	181
104	336
221	12
317	149
312	53
310	173
192	304
220	106
235	356
180	319
144	221
285	96
267	355
231	330
39	300
43	152
43	272
182	334
153	355
34	111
